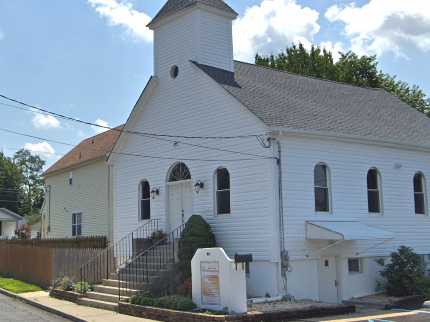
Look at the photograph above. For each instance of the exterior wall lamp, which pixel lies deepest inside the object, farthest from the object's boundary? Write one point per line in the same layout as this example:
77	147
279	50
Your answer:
155	192
198	186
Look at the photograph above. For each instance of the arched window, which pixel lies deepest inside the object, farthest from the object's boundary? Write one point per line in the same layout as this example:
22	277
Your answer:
322	188
179	172
420	194
145	200
374	191
222	184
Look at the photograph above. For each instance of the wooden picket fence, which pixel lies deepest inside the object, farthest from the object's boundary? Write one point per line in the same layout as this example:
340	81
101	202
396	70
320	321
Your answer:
40	264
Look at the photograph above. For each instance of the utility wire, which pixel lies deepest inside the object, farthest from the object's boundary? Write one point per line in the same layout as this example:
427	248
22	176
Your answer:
130	154
161	137
46	111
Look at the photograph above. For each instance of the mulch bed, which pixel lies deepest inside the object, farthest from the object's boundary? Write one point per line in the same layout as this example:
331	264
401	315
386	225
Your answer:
276	316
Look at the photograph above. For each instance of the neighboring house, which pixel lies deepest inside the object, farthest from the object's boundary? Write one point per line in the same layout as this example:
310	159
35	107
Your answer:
78	188
336	179
9	222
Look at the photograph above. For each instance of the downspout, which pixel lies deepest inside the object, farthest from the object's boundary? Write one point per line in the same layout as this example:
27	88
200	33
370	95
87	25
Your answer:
284	253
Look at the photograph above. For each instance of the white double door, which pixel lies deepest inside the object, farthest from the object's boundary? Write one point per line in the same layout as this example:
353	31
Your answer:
180	203
328	280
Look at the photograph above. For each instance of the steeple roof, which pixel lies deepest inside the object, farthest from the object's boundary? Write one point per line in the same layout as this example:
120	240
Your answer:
174	6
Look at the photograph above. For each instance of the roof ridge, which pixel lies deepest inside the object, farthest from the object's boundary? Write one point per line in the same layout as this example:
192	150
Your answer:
310	77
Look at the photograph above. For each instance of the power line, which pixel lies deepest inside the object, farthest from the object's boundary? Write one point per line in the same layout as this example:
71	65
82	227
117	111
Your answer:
161	137
66	117
131	154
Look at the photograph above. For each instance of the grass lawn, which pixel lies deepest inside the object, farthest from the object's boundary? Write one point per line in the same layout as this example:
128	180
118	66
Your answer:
16	286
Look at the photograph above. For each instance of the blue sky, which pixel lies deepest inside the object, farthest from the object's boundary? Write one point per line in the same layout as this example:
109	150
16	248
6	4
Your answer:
91	58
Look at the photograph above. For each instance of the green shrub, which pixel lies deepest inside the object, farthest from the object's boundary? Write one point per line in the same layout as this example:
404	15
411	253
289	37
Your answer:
82	287
196	234
175	302
65	283
404	275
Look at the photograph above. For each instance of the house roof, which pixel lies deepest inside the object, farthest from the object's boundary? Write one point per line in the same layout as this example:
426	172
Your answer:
7	215
89	149
174	6
289	101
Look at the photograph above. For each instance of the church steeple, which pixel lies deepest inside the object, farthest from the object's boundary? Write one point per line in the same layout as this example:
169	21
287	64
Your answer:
199	30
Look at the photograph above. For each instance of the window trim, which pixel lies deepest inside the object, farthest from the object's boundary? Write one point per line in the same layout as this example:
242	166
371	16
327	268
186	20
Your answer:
379	190
140	197
360	265
329	188
216	191
76	213
424	193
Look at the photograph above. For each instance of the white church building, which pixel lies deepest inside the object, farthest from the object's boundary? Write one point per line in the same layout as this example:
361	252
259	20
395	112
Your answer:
315	179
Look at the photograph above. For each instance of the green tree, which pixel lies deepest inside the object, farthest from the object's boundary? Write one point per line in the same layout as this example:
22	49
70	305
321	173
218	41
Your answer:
10	185
31	167
350	68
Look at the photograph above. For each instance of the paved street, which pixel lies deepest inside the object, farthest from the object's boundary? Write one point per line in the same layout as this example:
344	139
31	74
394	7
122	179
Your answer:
15	311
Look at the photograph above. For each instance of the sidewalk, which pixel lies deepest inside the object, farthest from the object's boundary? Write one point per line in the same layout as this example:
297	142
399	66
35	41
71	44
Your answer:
80	313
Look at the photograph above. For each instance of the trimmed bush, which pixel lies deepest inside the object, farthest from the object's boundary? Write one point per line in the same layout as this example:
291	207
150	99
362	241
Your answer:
404	275
196	234
175	302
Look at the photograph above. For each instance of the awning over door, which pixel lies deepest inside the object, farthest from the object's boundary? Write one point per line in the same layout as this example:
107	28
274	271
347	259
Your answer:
344	230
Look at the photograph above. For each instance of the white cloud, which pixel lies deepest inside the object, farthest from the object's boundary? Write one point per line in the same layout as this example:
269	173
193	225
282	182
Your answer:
382	26
100	122
272	26
43	149
335	48
123	14
41	121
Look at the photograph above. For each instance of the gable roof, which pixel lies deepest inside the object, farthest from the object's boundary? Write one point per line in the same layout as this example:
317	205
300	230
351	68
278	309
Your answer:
90	149
175	6
289	101
7	215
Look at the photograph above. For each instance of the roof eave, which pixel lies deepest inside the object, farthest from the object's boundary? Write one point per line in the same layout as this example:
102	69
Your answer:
285	131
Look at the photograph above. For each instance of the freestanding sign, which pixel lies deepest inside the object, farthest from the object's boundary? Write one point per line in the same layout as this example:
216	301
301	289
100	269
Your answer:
218	283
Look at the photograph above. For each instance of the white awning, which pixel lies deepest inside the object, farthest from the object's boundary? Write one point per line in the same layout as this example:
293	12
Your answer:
344	230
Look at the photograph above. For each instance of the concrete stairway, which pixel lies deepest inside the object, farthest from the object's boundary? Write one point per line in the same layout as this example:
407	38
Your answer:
138	273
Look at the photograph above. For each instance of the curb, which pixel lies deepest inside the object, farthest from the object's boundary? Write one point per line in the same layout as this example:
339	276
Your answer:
41	306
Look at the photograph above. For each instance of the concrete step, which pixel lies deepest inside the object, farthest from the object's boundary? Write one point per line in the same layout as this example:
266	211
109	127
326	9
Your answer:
114	290
133	280
141	271
106	297
98	304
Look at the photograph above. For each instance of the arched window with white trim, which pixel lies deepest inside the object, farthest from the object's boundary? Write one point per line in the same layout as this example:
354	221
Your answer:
420	194
374	191
222	193
145	200
322	188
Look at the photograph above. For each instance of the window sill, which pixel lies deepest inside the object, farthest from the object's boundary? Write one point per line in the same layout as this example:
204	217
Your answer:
376	213
323	212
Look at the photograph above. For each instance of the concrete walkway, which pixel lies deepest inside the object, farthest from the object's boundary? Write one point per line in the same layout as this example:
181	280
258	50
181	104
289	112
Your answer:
80	313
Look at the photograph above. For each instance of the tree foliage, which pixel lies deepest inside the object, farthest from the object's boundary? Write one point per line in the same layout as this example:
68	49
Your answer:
350	68
30	167
11	192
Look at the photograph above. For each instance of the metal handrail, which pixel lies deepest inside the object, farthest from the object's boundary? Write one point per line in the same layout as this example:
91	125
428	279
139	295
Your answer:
115	256
137	272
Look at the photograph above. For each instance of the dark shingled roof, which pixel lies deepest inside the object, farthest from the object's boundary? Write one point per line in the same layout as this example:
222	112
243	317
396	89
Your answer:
174	6
285	100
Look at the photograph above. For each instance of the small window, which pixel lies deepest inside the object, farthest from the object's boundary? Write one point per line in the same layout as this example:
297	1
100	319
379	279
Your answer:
174	71
321	188
71	178
420	194
374	191
76	224
354	265
145	201
223	191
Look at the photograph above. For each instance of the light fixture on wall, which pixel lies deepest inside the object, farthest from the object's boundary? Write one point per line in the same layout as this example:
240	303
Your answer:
155	192
198	186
